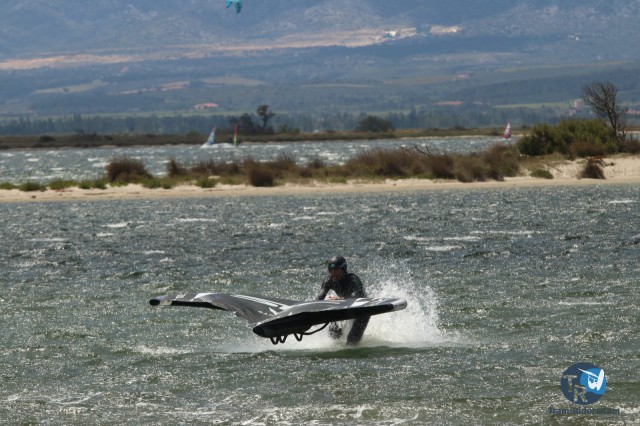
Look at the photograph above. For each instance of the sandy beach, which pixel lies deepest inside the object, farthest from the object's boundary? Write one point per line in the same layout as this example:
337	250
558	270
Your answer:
622	170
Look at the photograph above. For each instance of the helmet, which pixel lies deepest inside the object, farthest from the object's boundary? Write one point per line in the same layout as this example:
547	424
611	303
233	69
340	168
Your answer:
337	262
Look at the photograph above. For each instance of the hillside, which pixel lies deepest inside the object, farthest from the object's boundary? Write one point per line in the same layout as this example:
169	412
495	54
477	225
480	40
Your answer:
374	55
37	28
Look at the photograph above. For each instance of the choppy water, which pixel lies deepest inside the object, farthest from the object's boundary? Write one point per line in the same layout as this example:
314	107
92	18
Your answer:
18	166
506	290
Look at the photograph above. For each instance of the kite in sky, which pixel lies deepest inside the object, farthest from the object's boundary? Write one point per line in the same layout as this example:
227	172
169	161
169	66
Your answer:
238	4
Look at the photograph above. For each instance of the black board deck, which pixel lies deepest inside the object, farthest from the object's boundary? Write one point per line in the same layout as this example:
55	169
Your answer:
277	318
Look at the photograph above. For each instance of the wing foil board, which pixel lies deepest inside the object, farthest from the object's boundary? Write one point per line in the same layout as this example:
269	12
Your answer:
277	318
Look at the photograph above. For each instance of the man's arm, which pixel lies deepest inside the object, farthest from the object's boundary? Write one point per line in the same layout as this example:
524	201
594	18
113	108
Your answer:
324	290
356	284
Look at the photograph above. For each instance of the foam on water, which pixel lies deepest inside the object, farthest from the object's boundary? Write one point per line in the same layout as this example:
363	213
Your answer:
625	201
117	225
161	350
442	248
196	219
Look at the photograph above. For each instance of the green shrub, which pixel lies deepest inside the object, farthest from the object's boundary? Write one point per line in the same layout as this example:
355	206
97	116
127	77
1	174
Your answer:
151	183
206	183
93	184
571	137
541	141
167	183
232	180
100	184
338	179
7	186
542	174
60	184
32	186
374	124
85	184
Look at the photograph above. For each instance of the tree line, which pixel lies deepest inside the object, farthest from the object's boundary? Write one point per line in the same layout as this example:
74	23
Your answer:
265	121
601	97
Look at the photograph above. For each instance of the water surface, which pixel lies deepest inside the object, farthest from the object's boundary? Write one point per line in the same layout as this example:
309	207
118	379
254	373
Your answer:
506	290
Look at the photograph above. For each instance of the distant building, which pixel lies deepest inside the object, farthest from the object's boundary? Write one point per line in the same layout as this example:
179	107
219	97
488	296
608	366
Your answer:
206	105
443	30
450	103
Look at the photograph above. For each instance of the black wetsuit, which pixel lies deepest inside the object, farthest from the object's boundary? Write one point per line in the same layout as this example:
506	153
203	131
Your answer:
348	286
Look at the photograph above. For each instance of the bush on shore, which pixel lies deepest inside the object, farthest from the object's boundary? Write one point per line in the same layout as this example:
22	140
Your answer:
572	138
127	170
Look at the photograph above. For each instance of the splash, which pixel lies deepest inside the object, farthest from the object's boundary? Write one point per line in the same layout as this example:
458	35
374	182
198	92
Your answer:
418	324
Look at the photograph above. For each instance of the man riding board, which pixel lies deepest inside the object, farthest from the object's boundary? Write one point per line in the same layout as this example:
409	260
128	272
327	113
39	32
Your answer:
346	285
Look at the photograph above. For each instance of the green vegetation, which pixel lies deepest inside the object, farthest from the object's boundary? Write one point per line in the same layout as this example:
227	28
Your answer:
59	184
575	138
374	124
374	165
32	187
206	183
8	186
541	174
496	163
570	139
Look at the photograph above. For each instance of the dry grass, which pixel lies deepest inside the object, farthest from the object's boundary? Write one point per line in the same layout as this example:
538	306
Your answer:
496	163
125	169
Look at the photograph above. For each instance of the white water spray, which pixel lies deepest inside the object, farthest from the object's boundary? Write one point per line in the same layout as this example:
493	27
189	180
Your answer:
418	324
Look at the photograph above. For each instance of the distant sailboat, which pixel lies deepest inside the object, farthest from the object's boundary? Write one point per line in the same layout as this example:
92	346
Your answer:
211	140
235	136
507	131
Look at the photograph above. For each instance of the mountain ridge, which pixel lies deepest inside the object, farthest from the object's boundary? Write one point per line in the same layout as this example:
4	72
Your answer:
169	55
32	28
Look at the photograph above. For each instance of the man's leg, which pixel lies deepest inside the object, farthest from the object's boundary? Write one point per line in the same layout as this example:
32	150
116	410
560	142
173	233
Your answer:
357	330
